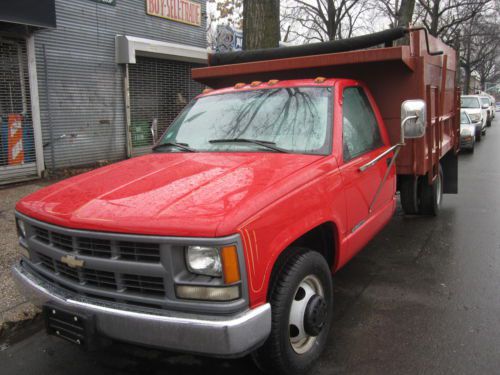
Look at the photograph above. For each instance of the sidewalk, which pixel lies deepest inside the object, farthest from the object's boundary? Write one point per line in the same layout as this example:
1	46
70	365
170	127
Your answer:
13	307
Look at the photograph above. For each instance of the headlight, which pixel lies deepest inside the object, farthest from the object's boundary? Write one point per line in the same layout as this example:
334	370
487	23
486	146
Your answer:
21	228
204	260
475	117
466	132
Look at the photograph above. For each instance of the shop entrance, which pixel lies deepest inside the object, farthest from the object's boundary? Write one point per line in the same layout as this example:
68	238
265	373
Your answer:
17	145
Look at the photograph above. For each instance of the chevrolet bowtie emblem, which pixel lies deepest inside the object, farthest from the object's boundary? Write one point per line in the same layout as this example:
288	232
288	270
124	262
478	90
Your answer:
72	261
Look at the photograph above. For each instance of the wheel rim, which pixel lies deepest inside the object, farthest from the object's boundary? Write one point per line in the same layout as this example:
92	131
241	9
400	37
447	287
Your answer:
439	190
308	288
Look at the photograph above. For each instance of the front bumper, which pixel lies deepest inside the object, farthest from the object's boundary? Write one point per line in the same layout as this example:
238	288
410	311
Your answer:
466	142
225	336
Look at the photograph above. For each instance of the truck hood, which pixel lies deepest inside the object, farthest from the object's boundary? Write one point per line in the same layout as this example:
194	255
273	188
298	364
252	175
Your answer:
172	194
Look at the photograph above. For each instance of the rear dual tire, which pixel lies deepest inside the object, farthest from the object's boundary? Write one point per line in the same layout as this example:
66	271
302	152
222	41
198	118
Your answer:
301	300
418	197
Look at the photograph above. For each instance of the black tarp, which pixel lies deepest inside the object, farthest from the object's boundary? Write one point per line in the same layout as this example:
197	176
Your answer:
343	45
38	13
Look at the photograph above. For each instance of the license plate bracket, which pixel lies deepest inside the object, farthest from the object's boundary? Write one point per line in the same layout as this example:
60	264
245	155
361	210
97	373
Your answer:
74	327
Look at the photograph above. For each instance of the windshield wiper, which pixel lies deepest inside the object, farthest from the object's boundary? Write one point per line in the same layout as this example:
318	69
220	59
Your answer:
182	146
267	144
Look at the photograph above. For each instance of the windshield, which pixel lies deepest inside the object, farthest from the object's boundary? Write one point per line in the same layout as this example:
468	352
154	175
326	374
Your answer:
464	119
469	103
295	119
485	101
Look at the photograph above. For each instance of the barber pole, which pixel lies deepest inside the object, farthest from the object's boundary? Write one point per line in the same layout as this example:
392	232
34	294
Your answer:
15	140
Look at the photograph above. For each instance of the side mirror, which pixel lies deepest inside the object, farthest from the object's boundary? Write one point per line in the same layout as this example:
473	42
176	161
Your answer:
413	119
485	106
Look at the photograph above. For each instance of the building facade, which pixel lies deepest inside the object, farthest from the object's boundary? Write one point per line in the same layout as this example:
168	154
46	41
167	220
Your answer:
94	80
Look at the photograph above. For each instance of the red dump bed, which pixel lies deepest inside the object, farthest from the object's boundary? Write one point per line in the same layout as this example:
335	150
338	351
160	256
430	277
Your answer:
393	74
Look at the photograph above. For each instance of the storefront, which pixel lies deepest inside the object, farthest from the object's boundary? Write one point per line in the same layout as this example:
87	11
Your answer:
104	82
21	151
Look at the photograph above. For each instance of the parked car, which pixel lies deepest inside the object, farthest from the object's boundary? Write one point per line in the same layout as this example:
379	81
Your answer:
467	132
471	104
487	105
493	105
223	241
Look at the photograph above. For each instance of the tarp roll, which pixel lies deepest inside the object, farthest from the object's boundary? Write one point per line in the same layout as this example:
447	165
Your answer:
342	45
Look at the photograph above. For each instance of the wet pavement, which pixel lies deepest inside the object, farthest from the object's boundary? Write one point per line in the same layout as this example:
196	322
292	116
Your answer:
422	298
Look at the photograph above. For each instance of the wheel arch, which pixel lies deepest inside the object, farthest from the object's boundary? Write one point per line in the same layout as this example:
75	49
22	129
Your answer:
323	238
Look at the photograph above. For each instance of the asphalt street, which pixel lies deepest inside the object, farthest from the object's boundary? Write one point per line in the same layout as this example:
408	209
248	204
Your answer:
422	298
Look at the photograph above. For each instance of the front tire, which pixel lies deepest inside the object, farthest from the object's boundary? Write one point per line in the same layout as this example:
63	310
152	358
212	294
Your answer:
302	307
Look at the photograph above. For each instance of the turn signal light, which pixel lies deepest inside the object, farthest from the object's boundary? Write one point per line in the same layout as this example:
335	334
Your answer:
208	293
230	265
319	80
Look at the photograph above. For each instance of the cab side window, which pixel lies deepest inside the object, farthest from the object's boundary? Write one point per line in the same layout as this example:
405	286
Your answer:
360	128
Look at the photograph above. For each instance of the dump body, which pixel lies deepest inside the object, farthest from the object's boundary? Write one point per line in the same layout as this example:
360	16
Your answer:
393	74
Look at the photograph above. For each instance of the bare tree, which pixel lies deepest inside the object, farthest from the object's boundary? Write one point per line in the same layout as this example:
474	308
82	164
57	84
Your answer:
480	49
444	18
261	24
398	12
322	20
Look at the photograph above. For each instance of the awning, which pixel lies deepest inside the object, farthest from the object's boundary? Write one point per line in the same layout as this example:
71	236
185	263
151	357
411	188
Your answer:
127	47
38	13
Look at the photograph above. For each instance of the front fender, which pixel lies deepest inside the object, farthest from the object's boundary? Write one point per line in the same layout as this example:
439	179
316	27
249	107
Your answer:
266	235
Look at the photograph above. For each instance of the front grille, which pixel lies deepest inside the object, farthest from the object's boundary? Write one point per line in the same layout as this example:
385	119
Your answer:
141	252
66	271
101	279
131	284
94	247
61	241
98	277
101	248
144	284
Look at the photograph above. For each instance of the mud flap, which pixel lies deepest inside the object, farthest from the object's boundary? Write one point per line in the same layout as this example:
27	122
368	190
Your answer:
449	164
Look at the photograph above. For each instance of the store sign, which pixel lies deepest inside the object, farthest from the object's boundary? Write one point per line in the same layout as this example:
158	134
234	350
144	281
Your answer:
107	2
184	11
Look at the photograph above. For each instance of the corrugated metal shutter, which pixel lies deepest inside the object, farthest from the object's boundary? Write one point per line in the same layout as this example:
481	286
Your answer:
17	146
159	90
80	85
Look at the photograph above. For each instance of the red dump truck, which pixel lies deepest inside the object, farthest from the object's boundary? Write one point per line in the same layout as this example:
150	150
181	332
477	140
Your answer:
223	241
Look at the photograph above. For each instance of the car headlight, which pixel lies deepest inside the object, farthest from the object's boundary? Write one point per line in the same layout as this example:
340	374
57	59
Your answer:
21	228
466	133
204	260
475	117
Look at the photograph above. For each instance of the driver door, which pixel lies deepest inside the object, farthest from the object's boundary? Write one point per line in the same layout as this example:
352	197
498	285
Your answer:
362	143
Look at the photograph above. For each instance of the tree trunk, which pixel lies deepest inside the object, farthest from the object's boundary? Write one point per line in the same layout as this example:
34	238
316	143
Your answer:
403	19
405	13
261	24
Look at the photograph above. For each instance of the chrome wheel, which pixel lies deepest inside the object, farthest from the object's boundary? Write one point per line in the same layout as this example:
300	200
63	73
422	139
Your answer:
439	189
307	314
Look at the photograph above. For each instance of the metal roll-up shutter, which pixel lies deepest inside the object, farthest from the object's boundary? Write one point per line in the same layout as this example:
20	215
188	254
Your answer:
159	90
17	146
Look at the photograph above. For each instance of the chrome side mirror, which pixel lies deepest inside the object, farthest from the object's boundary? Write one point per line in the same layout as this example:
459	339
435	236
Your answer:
413	119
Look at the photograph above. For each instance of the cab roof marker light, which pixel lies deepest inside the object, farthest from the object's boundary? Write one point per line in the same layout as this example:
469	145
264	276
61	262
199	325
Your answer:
319	80
207	90
272	82
239	85
255	83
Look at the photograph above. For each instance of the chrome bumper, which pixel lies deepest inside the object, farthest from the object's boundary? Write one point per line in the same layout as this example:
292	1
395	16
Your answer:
226	336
